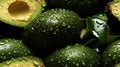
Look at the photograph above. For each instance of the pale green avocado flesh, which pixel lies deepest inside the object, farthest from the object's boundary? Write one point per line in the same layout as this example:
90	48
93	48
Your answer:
20	12
28	61
115	9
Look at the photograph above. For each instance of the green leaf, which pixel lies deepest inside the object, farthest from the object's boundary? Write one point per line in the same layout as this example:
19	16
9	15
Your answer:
97	26
101	30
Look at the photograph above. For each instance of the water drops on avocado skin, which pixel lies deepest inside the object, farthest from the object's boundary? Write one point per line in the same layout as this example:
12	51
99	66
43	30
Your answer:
12	48
73	56
53	29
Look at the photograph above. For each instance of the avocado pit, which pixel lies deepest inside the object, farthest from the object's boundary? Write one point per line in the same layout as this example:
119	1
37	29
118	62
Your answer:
19	10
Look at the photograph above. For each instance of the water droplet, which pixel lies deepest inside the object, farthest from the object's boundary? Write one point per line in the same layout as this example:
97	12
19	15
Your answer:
115	50
4	57
63	24
109	54
66	65
6	40
2	43
20	59
91	65
16	65
8	62
32	28
77	64
51	29
51	60
44	30
2	53
68	58
114	57
83	63
43	4
35	63
42	19
69	26
58	61
54	32
15	51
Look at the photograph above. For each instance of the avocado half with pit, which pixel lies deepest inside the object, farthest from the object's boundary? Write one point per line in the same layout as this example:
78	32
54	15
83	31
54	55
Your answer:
20	12
114	8
28	61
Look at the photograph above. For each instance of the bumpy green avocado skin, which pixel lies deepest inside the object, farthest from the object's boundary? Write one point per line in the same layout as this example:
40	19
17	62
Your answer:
53	29
12	48
73	56
110	56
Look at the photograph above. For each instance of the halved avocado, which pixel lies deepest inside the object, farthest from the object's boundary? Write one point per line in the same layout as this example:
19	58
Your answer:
29	61
114	8
20	12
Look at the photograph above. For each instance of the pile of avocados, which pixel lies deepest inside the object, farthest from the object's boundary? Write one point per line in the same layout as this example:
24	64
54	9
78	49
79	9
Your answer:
59	33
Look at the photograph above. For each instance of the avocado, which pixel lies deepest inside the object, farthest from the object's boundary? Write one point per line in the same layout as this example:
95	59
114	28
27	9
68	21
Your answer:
76	55
114	8
20	12
53	29
12	48
111	55
82	7
28	61
117	65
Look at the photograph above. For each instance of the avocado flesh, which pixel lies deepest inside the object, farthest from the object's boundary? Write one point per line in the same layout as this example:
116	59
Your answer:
115	9
20	12
28	61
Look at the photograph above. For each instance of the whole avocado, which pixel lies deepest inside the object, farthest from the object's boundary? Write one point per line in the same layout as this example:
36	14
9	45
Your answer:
12	48
110	56
73	56
52	30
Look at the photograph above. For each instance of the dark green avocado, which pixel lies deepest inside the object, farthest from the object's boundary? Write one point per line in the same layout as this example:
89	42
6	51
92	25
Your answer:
28	61
82	7
52	30
111	55
73	56
12	48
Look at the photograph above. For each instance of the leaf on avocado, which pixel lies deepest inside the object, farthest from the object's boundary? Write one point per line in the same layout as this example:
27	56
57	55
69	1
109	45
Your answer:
97	26
101	29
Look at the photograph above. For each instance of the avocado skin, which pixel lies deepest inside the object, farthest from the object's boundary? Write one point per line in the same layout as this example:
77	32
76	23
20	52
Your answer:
82	7
110	56
12	48
73	56
52	30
